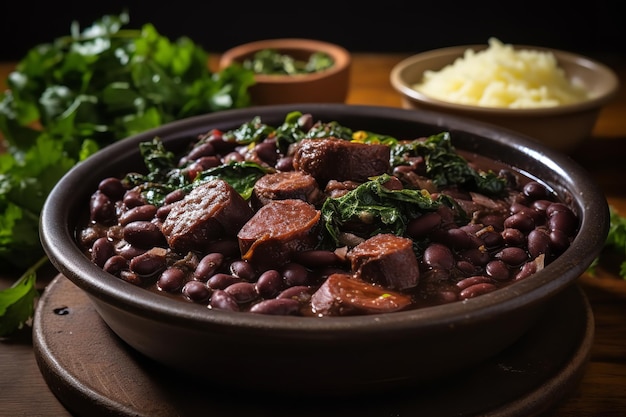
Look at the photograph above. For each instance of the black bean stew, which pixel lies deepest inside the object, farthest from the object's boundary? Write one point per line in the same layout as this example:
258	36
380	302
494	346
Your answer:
316	219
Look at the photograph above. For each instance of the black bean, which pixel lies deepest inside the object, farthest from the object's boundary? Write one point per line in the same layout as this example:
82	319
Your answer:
222	300
473	280
113	188
294	274
554	207
301	293
454	238
101	250
466	267
437	255
208	266
559	241
133	198
174	196
535	190
171	280
530	212
232	157
393	183
491	239
541	205
196	291
243	270
284	164
494	220
267	151
277	306
143	234
521	221
101	208
163	211
145	212
306	122
242	292
207	162
476	290
497	270
203	149
512	256
217	140
538	242
129	251
115	264
563	220
477	256
149	263
220	281
269	283
513	237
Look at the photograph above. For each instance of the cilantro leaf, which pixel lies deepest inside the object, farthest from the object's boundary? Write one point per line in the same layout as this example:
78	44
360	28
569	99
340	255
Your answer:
17	302
68	98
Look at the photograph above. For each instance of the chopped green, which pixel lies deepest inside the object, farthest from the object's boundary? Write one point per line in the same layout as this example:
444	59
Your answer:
615	242
272	62
371	208
445	166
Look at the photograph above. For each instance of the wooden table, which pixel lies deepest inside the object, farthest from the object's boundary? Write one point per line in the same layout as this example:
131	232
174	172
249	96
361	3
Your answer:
602	391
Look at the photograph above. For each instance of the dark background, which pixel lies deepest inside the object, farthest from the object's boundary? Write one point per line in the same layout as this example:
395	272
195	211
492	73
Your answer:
596	28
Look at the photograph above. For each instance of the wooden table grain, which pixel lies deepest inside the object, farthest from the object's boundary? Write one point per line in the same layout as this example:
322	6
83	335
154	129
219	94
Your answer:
602	391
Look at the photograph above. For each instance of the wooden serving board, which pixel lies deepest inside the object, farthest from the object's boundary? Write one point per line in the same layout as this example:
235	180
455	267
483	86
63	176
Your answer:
94	373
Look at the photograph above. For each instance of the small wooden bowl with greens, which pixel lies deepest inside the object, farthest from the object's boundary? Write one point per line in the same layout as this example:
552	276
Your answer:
293	70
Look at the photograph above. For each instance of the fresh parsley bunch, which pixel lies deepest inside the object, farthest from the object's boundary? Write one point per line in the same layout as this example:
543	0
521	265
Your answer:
69	98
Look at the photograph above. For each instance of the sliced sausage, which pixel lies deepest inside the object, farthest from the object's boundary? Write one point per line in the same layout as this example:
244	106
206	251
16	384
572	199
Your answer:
286	185
343	294
278	229
341	160
386	259
211	211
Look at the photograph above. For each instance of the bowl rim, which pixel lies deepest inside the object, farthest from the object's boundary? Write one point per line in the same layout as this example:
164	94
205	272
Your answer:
340	55
58	239
400	84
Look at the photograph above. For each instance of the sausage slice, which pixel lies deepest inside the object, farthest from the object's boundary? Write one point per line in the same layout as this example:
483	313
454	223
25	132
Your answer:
286	185
386	259
343	294
278	229
211	211
341	160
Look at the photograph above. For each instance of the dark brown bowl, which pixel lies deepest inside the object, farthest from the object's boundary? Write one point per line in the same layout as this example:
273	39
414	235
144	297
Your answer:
335	355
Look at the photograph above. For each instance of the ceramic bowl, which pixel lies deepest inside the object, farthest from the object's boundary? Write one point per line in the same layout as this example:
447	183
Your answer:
330	85
324	355
562	127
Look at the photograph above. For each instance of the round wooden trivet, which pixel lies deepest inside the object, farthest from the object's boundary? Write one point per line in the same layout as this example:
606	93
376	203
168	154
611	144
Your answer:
94	373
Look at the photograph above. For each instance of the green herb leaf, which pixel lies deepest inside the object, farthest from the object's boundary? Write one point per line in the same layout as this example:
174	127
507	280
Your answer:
70	97
17	303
